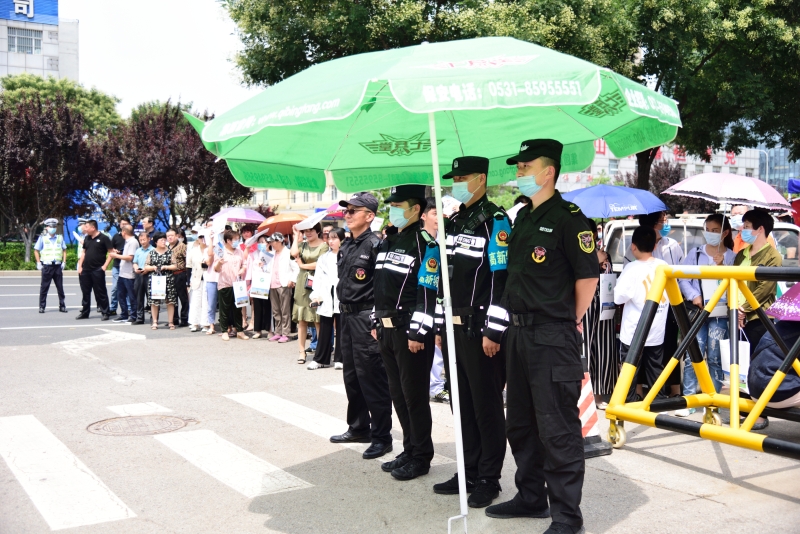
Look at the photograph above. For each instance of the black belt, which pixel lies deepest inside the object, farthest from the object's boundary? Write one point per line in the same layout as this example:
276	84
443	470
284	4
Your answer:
179	272
355	308
469	310
522	319
397	321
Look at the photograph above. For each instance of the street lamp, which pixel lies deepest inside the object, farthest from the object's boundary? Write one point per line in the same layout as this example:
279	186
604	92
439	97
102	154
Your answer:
767	166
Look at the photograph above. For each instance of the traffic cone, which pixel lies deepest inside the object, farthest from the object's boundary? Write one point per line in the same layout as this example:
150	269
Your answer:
593	444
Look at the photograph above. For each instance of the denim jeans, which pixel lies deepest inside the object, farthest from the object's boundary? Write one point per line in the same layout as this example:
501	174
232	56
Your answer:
313	330
114	281
126	295
709	337
211	293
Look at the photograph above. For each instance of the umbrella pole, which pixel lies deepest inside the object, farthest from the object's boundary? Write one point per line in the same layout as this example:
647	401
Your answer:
448	318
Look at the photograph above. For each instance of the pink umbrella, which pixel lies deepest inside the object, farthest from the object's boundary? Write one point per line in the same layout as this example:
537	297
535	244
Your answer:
335	211
787	308
240	215
730	189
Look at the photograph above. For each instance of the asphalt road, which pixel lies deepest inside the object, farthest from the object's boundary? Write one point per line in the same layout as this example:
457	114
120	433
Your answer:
253	454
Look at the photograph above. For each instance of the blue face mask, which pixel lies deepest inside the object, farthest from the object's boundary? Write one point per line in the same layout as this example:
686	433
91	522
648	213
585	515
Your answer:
262	247
748	236
235	244
527	185
461	191
665	230
51	231
712	238
396	217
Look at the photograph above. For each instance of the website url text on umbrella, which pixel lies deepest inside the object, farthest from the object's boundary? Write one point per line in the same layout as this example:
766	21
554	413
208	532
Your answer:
288	111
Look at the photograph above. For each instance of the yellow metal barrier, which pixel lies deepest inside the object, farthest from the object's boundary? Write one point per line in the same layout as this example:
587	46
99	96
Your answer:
733	282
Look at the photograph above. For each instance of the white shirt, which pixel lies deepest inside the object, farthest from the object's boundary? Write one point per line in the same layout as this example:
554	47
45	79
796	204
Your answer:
326	278
667	249
631	290
126	266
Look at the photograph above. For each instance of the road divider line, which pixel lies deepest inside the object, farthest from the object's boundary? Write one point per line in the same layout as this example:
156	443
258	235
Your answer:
323	425
47	327
34	295
62	488
144	408
233	466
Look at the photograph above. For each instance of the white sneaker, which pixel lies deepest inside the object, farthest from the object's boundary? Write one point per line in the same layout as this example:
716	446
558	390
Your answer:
193	328
314	365
686	412
338	366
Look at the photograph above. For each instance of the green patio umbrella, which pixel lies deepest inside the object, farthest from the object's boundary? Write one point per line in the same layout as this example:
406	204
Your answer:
400	116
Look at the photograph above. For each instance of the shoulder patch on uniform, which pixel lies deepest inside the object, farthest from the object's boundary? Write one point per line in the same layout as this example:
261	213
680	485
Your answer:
586	241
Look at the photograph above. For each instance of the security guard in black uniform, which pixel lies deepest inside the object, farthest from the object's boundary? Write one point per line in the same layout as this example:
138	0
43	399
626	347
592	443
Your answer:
552	276
369	406
406	283
477	253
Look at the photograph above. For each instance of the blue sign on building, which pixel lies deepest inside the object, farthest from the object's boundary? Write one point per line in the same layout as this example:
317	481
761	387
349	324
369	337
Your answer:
39	11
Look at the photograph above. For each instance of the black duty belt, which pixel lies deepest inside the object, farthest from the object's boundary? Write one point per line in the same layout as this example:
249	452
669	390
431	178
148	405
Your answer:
522	319
355	308
398	321
462	315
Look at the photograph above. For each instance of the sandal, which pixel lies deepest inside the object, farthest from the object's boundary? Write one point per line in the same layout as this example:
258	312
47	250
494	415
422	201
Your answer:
171	326
154	326
301	360
210	332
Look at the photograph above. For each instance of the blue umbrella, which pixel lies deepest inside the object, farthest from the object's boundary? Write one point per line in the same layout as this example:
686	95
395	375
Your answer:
606	201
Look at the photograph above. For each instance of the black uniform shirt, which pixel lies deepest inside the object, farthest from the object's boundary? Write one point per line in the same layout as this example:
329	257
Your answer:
95	251
357	269
550	248
406	279
477	238
118	242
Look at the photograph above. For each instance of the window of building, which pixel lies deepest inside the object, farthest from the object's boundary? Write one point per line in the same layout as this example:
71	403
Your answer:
254	199
305	197
734	170
24	41
265	196
748	172
683	171
294	197
334	192
717	169
613	166
319	196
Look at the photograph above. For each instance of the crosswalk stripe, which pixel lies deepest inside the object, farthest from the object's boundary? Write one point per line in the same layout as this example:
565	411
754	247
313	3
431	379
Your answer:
143	408
62	488
233	466
323	425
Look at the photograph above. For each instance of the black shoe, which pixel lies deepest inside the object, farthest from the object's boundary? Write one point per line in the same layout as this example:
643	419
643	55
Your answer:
510	509
137	322
485	492
82	316
349	437
309	350
376	450
112	314
563	528
62	309
451	486
183	325
413	469
41	310
99	310
105	317
400	461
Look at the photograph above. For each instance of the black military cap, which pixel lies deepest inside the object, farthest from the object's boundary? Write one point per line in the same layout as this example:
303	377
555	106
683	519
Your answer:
468	165
535	148
404	192
363	199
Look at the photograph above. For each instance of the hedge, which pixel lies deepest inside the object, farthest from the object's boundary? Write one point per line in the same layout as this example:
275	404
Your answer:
12	258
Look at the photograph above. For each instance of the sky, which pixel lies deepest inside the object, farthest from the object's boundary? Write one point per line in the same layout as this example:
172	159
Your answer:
147	50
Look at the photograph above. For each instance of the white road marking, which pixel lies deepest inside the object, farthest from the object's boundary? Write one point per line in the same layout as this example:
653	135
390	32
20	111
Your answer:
80	348
143	408
233	466
62	488
23	308
34	295
47	327
323	425
39	285
337	388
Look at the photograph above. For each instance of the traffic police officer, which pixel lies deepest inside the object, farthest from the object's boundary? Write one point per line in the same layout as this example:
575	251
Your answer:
477	252
552	276
369	406
406	283
51	258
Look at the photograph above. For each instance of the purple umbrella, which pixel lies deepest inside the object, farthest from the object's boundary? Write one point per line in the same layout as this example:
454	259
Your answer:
239	215
787	308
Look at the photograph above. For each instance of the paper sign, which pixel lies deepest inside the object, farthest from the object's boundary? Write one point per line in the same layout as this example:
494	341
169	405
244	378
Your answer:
708	288
607	307
259	288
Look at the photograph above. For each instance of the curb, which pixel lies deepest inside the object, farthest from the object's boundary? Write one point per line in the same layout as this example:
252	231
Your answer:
31	274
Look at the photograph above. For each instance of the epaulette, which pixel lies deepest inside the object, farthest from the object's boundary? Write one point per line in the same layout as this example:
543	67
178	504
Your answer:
570	207
375	240
429	240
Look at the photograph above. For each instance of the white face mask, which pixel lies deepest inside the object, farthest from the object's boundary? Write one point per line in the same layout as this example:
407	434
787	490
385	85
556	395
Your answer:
712	238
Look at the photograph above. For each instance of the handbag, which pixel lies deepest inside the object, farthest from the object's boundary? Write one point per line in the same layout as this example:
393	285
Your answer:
158	286
744	359
259	288
310	277
240	296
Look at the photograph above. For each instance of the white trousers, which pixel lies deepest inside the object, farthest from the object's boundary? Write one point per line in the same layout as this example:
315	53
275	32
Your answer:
437	382
198	305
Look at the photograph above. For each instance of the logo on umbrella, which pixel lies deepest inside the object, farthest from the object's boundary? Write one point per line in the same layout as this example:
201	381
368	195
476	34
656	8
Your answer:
618	207
399	146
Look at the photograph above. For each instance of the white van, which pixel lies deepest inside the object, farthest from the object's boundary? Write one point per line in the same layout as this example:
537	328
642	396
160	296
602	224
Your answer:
688	231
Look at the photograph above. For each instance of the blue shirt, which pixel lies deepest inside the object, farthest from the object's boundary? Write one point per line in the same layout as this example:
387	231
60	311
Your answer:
40	242
140	256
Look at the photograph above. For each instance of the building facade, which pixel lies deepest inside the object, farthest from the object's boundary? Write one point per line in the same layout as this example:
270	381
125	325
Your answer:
777	168
298	201
34	40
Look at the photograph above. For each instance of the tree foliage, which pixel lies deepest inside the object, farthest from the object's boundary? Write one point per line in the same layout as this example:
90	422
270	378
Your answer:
44	161
97	108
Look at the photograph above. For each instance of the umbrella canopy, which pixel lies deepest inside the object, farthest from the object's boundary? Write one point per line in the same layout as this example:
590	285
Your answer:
606	201
239	215
730	189
362	120
281	222
787	308
335	211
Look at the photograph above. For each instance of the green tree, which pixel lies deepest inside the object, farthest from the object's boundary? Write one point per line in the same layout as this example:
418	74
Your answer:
98	109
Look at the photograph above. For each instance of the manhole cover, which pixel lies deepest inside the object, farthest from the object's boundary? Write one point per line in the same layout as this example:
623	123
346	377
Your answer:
137	425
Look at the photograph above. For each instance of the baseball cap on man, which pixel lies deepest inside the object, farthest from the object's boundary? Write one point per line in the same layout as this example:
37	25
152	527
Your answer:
404	192
362	199
466	165
536	148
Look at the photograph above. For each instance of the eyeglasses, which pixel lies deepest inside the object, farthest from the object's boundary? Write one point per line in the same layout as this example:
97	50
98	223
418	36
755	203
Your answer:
352	211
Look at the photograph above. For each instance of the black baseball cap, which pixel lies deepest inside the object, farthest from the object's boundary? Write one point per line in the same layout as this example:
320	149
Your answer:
362	199
404	192
536	148
468	165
